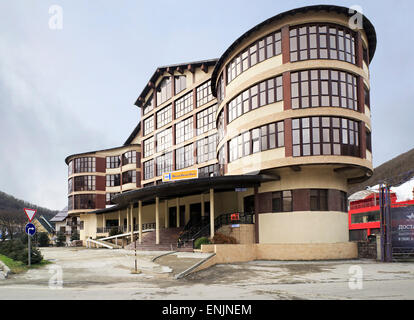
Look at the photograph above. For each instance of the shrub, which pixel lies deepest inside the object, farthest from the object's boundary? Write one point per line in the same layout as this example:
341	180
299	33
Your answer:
74	235
200	241
17	250
220	238
114	232
43	239
60	239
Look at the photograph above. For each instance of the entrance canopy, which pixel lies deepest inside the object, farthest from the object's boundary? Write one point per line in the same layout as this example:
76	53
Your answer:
189	187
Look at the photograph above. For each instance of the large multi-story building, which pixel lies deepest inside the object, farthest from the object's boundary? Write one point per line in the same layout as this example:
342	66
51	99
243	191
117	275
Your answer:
278	127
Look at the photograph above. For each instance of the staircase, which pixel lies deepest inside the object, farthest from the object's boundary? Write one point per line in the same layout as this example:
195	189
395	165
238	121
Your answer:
202	228
168	241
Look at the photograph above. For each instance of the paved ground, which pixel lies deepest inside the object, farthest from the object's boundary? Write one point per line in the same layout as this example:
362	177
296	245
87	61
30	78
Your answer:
106	274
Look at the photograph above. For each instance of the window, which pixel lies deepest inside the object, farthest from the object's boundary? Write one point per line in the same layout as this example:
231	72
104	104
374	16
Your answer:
180	84
164	91
70	185
206	148
319	200
85	183
221	160
208	171
220	89
266	92
184	105
366	97
84	201
317	41
164	139
364	217
220	125
129	157
86	164
70	203
204	93
113	180
184	157
149	169
164	163
365	54
149	147
324	88
316	136
109	196
113	162
263	138
368	140
282	201
149	105
148	125
205	119
164	116
70	168
184	130
264	48
129	177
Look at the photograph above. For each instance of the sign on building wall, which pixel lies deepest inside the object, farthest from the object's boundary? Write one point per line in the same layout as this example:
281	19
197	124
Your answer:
180	175
402	227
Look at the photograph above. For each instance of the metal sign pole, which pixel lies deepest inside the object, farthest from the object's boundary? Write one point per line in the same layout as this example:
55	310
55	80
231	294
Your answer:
388	225
382	220
29	257
135	254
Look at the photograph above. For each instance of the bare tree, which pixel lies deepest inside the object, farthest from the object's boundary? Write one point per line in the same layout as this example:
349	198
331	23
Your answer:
12	222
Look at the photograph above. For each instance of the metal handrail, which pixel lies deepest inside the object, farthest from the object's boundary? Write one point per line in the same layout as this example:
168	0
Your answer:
223	219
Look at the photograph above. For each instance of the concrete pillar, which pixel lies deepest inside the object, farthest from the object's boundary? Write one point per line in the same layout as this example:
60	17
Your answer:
157	220
166	215
202	204
119	219
132	221
103	222
178	212
140	221
127	216
211	213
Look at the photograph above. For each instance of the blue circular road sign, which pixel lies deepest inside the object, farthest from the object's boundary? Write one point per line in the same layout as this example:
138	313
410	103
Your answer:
30	229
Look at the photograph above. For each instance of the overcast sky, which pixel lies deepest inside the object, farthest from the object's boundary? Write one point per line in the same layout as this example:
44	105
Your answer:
73	89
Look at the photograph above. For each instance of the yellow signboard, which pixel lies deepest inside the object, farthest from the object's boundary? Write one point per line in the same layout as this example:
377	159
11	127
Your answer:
180	175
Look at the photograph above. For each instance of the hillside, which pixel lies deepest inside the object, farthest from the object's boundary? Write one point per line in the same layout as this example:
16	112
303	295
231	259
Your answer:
10	204
395	172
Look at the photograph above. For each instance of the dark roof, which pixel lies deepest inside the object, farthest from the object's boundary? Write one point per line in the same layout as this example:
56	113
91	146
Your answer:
46	224
171	67
189	187
61	215
133	134
368	27
95	151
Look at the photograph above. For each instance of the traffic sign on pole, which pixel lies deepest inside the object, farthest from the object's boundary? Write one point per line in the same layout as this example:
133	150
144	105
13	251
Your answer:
30	213
30	229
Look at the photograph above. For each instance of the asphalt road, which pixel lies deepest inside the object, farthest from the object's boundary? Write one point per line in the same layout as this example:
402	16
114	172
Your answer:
78	273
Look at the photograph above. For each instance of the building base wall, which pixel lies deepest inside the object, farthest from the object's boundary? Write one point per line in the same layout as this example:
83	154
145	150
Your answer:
303	227
232	253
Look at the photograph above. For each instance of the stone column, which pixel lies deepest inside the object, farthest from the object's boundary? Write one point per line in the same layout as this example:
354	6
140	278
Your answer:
157	220
166	215
132	221
140	220
211	213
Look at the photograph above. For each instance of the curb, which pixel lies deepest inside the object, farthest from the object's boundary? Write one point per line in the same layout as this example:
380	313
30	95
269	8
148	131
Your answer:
5	268
188	271
163	254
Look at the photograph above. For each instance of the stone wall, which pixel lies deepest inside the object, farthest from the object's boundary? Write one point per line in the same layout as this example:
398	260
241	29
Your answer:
244	234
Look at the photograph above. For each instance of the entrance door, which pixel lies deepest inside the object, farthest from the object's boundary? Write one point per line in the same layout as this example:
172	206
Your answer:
249	204
172	218
195	212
